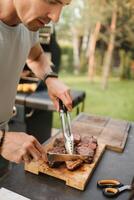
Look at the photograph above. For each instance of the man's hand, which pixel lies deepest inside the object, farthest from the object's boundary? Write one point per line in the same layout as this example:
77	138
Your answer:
39	63
58	90
20	147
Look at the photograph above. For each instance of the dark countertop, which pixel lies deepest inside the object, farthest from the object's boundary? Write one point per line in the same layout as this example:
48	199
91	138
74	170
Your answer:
43	187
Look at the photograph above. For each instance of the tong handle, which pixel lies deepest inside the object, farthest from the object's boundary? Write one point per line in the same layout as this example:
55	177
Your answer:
62	106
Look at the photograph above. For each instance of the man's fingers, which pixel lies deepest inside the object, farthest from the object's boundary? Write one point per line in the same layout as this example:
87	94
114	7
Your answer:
67	100
20	147
20	156
32	149
35	153
38	146
40	149
56	103
27	158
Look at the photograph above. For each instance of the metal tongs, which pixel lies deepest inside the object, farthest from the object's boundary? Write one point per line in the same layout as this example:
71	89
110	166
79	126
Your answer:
66	128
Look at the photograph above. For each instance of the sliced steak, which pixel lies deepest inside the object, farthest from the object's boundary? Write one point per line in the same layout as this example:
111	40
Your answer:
82	150
77	138
57	150
58	142
86	145
72	165
87	140
92	146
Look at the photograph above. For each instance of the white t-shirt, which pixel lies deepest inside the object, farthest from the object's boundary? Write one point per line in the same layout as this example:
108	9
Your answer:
15	45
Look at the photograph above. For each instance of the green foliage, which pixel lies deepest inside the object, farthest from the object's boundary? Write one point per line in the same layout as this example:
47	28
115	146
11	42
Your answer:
125	28
67	59
83	62
125	64
117	101
83	15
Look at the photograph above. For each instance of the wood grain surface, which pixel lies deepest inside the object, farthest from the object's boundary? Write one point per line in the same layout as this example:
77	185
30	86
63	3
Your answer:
110	133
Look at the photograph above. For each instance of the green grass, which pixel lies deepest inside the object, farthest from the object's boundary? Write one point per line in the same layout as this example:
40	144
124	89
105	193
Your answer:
117	101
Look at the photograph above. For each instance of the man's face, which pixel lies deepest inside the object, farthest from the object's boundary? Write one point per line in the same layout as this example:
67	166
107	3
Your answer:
34	14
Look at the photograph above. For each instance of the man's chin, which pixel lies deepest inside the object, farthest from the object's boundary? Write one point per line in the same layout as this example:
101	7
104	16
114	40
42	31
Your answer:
32	28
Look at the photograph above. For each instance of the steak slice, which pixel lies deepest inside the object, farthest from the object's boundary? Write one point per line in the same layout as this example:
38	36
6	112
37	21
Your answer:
86	145
72	165
87	140
82	150
57	150
58	142
90	142
60	150
92	146
77	138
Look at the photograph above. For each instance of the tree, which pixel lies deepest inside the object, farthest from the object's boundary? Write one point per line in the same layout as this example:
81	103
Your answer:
91	52
108	57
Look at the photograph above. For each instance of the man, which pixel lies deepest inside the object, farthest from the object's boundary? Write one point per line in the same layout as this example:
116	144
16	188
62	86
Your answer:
19	21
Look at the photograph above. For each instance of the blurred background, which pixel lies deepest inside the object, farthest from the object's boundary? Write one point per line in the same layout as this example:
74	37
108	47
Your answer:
92	48
96	39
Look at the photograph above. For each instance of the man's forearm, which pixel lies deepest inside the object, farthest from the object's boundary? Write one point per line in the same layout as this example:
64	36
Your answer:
40	65
38	61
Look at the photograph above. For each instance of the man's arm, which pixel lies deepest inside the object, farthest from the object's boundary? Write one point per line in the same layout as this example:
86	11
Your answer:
39	63
20	147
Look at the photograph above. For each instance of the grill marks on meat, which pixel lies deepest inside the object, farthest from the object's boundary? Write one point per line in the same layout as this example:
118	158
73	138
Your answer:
86	151
87	146
77	138
60	150
82	145
58	142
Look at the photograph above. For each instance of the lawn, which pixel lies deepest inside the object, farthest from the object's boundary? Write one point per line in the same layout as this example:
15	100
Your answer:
117	101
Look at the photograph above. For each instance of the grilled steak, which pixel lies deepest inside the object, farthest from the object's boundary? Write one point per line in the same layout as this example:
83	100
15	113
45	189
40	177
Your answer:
82	145
87	146
72	165
57	149
88	140
58	142
77	138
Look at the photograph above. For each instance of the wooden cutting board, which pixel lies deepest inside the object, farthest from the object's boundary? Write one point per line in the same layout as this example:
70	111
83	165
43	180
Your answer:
110	134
